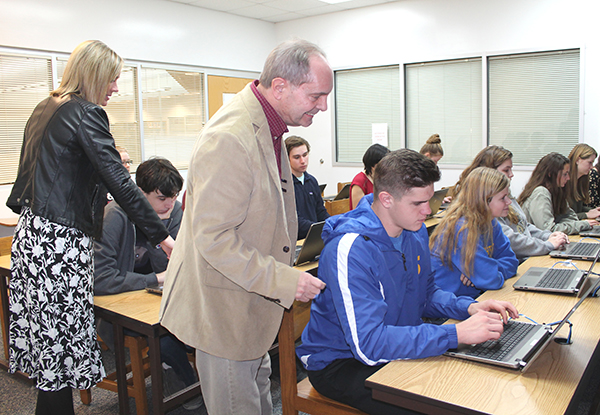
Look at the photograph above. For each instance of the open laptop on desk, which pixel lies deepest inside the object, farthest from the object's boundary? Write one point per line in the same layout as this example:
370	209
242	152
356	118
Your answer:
554	280
343	194
436	201
586	251
516	353
312	246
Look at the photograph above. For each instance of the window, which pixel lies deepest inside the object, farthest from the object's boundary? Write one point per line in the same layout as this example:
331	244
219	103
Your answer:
445	98
534	103
172	103
364	97
173	113
24	82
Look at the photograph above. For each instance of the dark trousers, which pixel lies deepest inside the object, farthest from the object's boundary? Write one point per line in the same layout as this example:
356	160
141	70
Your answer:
344	381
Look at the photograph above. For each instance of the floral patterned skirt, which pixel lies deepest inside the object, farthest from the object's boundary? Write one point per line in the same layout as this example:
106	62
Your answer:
52	332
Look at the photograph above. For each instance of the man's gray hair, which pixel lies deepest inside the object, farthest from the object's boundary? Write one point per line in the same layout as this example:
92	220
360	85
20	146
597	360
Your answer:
290	61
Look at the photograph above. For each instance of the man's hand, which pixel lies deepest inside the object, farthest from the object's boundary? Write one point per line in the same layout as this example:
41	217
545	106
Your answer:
167	245
308	287
505	309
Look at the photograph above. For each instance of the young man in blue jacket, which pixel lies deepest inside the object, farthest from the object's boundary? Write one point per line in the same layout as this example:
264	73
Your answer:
309	203
376	264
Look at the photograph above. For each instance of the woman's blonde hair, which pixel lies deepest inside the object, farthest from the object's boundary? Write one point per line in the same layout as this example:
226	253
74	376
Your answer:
579	188
433	146
471	208
91	68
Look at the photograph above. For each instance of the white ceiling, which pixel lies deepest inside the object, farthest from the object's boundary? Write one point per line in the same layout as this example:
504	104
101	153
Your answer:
278	10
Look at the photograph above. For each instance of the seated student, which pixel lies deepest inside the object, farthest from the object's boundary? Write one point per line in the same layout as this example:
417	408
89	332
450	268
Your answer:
432	149
309	203
362	184
377	268
525	239
469	251
581	161
544	201
594	186
126	261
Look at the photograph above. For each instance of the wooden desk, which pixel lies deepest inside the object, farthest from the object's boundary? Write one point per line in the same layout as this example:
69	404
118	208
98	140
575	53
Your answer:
453	386
11	222
337	207
138	311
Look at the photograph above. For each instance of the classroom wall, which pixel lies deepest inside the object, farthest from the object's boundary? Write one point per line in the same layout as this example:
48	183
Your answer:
393	33
421	30
147	30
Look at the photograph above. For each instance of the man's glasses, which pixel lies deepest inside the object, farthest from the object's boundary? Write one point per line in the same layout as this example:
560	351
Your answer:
128	162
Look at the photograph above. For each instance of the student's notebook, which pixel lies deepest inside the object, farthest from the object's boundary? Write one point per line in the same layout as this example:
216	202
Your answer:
520	343
554	280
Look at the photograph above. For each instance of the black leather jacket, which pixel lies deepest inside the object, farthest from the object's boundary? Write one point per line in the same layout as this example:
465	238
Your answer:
68	160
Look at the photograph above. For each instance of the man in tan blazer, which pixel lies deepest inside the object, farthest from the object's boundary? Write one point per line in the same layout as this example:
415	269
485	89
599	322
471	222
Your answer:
230	276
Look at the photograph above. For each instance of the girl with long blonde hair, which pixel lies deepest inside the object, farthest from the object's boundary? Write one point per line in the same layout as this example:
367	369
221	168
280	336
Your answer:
525	238
469	251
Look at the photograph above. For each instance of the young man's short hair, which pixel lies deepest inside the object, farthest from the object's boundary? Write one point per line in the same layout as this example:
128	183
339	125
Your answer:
159	174
401	170
294	141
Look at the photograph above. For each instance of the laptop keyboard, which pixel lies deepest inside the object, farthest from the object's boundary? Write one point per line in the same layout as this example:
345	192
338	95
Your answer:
582	248
556	278
514	332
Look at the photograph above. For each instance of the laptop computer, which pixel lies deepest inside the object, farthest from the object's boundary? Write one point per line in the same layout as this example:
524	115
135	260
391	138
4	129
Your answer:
554	280
343	194
322	187
520	343
155	289
577	250
593	233
312	246
436	201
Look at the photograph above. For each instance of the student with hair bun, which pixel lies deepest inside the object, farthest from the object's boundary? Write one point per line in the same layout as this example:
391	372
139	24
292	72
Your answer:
432	149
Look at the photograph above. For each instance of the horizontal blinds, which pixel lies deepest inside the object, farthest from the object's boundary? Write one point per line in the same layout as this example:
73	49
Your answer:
445	98
24	82
534	103
364	97
173	113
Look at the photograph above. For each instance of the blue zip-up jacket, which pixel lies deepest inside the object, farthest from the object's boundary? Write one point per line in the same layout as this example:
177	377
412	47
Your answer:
494	263
376	295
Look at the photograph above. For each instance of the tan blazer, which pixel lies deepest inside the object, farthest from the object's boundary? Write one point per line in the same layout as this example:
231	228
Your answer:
230	276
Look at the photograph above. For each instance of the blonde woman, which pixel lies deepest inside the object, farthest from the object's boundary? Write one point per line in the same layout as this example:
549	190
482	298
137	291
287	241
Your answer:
432	149
470	253
581	162
67	161
544	200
